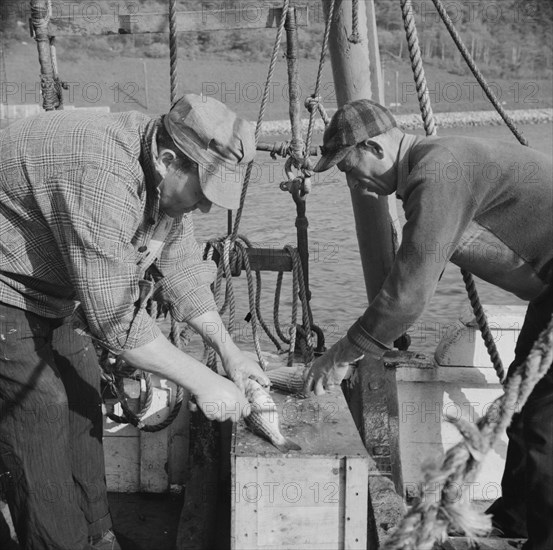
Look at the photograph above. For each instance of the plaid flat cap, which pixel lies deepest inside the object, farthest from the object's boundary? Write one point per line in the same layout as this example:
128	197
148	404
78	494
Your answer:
351	124
219	141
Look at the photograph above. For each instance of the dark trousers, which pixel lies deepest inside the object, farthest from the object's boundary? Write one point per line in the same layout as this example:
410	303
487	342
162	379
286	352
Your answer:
51	456
526	506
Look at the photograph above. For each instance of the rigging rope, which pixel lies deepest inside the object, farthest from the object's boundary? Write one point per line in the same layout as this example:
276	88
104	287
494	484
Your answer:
234	248
50	84
355	38
476	72
261	115
173	51
430	129
429	520
315	99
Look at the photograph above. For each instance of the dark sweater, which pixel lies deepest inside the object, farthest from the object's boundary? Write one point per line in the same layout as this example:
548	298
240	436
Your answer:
485	205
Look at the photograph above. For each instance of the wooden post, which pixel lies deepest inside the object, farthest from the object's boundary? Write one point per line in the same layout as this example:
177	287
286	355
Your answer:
372	396
352	72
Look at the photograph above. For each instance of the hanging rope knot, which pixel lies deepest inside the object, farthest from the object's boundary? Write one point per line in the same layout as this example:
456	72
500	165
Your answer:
315	102
312	102
281	148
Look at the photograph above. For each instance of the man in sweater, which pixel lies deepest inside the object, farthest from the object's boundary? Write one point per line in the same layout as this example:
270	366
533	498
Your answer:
88	204
487	207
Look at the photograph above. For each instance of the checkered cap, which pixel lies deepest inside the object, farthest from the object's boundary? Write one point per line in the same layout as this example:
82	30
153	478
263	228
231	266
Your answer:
351	124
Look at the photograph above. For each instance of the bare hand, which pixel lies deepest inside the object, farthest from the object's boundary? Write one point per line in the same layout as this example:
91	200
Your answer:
239	367
223	401
329	369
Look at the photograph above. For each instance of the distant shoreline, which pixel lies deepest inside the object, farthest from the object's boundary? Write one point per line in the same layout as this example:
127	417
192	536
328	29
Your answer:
443	120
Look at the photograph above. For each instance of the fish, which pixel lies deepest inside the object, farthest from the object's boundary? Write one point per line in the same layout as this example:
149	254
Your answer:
263	420
288	379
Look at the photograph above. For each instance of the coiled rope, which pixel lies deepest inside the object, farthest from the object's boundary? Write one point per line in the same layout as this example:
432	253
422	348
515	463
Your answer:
233	251
430	129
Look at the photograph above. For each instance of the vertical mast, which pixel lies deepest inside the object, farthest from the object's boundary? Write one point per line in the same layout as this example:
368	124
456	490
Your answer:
357	75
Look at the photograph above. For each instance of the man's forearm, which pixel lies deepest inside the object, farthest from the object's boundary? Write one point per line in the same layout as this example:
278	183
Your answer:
212	329
161	357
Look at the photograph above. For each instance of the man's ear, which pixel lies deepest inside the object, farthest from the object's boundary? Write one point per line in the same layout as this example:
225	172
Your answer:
167	156
164	158
374	147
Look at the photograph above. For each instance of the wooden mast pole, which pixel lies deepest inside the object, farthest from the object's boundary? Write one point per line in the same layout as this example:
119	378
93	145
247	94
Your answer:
373	395
352	72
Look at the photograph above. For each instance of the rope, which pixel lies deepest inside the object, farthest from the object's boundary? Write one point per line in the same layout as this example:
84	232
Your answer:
299	290
50	84
296	143
253	308
476	72
417	66
430	129
355	38
482	322
259	316
428	520
315	99
173	50
276	307
113	376
261	116
173	47
233	249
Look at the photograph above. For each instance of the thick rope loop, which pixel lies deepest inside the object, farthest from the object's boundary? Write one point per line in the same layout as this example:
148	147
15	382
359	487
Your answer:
429	520
313	103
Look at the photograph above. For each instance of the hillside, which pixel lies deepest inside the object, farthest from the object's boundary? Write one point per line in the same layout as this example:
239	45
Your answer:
508	38
131	71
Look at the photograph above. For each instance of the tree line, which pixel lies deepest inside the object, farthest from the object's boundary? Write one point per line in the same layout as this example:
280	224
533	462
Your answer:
506	37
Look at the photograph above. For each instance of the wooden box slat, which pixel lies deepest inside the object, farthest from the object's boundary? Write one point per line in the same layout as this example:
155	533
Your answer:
313	498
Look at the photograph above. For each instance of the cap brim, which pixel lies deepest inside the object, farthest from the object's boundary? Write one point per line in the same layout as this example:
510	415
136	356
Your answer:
216	187
328	161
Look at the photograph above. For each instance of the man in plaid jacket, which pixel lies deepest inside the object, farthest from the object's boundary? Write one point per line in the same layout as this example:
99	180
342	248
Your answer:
88	203
487	207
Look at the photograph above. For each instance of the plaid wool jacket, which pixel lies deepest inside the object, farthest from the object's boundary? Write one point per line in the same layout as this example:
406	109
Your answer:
78	209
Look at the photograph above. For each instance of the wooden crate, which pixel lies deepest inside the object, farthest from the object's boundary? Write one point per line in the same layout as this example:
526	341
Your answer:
138	461
313	498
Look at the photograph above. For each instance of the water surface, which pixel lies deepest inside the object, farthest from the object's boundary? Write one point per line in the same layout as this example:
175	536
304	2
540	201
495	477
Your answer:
336	279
